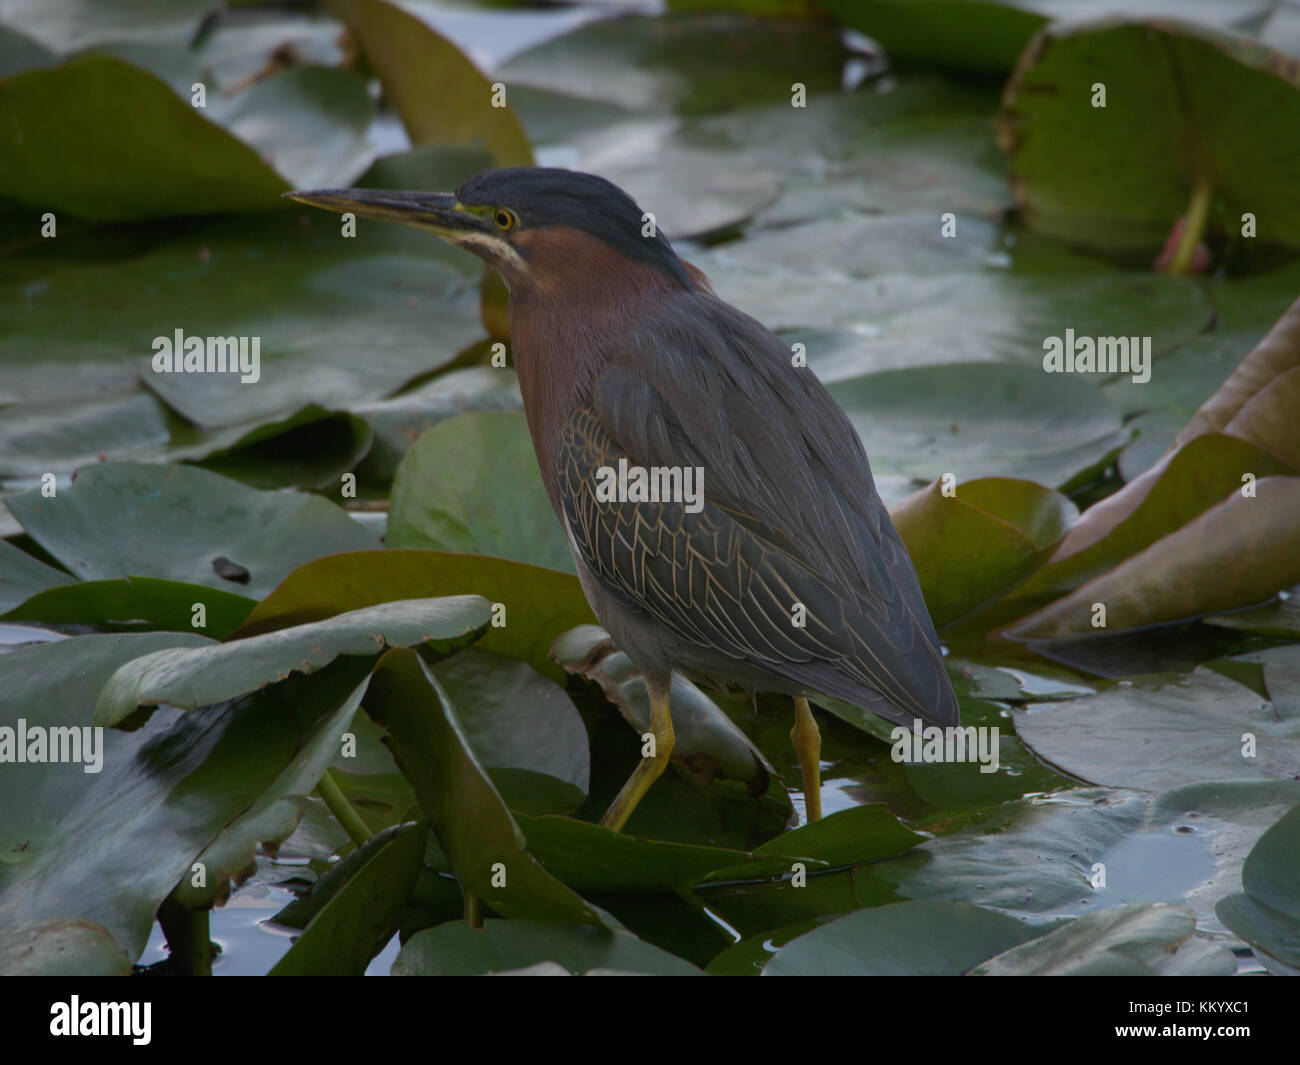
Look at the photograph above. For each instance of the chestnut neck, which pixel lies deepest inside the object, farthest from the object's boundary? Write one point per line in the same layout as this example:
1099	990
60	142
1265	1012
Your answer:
564	329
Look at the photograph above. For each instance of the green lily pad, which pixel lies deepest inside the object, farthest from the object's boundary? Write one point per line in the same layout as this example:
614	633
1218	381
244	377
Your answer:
1183	846
204	676
754	908
692	191
1267	913
979	37
539	603
456	949
18	53
846	837
471	485
1234	554
78	157
434	167
1066	833
400	421
521	728
1154	939
1280	619
440	95
65	26
173	521
273	814
62	947
1117	178
470	819
974	419
134	604
516	719
986	36
22	576
911	142
59	437
987	535
312	448
955	786
165	792
337	320
933	938
999	313
748	957
309	122
1184	486
1162	732
363	913
687	64
590	858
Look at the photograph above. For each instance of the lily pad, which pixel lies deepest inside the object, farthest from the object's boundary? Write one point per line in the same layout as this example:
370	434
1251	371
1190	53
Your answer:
439	93
687	64
362	915
456	949
987	534
62	947
470	819
590	858
273	814
1280	619
400	421
204	676
336	321
312	448
22	576
1201	474
134	604
1240	433
1267	913
999	313
911	142
154	510
63	27
514	718
539	603
77	158
1234	554
471	485
1139	940
1163	732
974	419
933	938
979	37
164	792
1095	849
1171	140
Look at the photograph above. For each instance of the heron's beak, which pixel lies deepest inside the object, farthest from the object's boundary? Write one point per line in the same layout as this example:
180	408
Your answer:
437	212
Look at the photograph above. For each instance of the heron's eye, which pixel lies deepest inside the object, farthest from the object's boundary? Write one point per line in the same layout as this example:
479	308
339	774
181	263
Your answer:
505	220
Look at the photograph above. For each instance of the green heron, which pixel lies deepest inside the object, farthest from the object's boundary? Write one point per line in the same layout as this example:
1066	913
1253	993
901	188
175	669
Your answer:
786	574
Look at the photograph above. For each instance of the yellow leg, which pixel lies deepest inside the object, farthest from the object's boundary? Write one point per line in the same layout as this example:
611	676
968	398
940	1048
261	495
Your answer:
807	740
661	728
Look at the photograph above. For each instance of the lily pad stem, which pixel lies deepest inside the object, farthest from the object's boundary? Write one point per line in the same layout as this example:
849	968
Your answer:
1198	213
329	790
473	910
